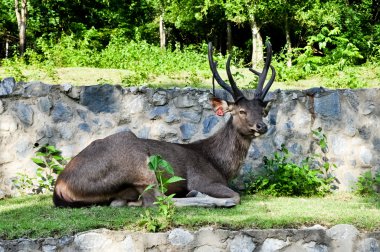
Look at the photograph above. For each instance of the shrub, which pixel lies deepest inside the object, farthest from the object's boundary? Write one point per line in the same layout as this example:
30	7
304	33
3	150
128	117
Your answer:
283	177
367	184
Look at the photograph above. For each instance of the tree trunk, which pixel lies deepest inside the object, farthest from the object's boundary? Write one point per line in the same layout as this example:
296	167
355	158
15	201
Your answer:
21	16
257	44
229	37
6	46
162	32
288	43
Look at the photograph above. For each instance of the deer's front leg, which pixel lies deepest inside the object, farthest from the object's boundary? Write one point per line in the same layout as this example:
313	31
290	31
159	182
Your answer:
212	195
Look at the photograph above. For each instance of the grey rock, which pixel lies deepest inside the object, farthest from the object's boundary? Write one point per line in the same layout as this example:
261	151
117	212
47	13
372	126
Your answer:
92	241
369	245
365	155
65	131
158	112
191	116
44	105
365	132
272	245
37	89
1	107
62	113
369	107
171	118
328	105
352	99
101	98
254	152
84	127
184	101
209	123
75	93
180	237
7	86
134	90
66	87
314	247
344	236
188	130
144	133
25	113
376	143
242	243
159	98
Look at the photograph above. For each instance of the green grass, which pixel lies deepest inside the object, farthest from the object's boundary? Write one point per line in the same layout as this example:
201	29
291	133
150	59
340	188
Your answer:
369	75
35	216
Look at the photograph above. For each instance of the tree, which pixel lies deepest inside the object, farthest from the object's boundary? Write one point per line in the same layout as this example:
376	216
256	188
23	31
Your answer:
256	13
21	10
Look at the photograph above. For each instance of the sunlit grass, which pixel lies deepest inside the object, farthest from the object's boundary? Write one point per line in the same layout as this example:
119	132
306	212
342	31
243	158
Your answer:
35	216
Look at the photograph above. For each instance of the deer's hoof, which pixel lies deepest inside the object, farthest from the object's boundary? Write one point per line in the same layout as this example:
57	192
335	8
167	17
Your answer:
118	203
192	193
230	203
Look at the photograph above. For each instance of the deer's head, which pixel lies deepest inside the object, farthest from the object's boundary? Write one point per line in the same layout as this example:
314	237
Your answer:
247	113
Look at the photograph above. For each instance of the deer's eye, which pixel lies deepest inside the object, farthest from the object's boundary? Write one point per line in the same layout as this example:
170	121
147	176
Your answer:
242	112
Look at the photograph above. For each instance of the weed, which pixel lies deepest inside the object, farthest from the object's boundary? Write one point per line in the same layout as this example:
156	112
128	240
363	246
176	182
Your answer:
165	176
367	184
50	164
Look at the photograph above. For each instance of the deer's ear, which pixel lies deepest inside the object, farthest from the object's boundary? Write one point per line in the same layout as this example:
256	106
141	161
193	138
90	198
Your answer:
220	106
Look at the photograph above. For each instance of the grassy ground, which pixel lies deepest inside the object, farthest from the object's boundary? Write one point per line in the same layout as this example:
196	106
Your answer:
202	79
35	216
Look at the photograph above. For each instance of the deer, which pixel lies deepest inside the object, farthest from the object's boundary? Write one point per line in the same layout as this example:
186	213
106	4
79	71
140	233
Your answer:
114	170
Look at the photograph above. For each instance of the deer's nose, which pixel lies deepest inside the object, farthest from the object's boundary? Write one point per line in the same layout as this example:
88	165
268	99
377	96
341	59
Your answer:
261	127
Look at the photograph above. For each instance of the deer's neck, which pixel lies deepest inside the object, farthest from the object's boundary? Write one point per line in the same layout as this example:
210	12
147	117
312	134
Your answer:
226	150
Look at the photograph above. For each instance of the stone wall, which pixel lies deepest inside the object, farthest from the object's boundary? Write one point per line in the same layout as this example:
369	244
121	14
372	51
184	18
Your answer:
340	238
70	117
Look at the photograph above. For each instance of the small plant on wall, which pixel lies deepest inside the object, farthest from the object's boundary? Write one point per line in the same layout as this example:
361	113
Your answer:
283	177
50	164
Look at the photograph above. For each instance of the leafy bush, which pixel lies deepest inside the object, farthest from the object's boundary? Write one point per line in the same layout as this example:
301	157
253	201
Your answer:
50	164
367	184
282	177
165	176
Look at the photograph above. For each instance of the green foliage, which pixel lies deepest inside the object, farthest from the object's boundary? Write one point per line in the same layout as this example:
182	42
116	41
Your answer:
282	177
165	176
367	184
50	164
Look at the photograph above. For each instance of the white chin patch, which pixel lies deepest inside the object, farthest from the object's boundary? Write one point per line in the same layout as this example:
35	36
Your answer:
257	134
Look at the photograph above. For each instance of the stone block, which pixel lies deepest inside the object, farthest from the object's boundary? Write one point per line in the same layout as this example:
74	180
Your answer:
36	89
180	237
209	123
159	98
62	112
188	130
185	101
158	112
328	105
7	86
101	98
242	243
44	105
25	113
1	107
193	117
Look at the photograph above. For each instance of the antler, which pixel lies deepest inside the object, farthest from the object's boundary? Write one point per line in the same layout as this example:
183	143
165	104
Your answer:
260	93
233	89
